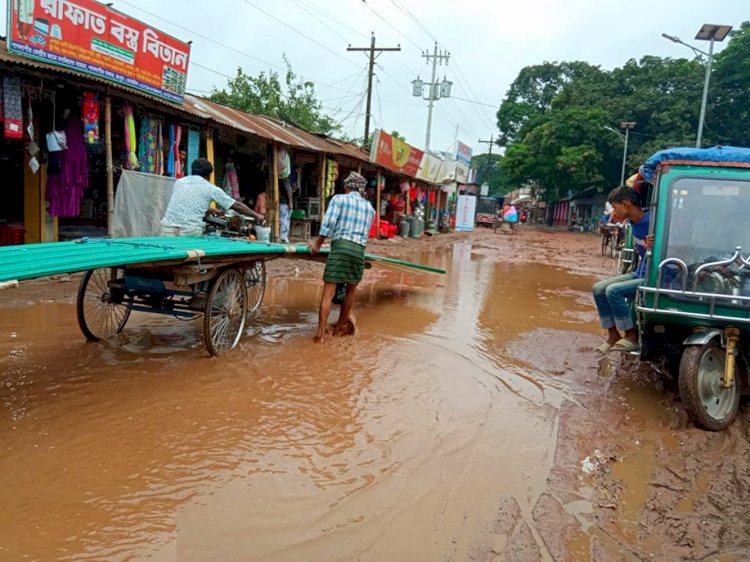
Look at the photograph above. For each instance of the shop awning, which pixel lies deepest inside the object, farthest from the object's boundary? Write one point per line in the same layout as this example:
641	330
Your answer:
521	199
271	129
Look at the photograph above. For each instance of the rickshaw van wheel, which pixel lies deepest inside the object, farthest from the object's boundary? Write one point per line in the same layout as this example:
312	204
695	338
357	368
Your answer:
708	404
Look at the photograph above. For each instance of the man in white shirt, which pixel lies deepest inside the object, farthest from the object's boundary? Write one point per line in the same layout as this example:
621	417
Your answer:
191	198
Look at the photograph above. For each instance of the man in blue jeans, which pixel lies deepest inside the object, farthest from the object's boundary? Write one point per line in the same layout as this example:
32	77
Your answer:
612	296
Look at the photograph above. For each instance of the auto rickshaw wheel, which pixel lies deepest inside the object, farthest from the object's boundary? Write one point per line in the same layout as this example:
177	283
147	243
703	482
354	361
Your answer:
709	405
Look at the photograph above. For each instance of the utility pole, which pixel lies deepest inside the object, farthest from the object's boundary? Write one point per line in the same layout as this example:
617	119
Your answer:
627	125
372	50
491	142
436	90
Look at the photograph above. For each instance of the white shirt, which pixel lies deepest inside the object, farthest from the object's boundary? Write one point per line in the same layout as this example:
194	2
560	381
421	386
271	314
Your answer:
191	197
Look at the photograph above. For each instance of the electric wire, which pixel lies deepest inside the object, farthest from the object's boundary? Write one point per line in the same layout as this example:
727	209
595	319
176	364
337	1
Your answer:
224	45
303	34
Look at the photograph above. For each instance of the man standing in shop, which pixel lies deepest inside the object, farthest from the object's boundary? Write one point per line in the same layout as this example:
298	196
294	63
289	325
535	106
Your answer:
347	223
285	209
191	200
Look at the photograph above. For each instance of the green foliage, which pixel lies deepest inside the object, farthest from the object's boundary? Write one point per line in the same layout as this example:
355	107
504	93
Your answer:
728	118
294	101
556	119
490	170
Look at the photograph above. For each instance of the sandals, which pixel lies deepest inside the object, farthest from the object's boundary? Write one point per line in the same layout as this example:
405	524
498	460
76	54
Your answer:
626	346
604	348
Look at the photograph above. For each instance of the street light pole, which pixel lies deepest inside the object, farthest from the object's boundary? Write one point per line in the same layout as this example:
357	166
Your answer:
702	118
711	33
627	125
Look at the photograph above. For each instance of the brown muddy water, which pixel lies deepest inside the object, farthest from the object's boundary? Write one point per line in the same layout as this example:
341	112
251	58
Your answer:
401	443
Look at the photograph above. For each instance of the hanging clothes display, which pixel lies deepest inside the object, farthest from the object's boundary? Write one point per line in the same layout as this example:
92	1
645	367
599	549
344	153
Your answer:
231	181
170	153
178	171
150	153
194	149
12	107
91	117
131	141
65	188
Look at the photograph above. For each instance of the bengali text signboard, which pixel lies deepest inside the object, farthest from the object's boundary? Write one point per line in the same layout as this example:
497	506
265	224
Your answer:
465	212
89	37
395	154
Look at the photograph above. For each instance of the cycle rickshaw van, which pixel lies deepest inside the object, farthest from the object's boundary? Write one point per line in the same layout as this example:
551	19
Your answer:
693	309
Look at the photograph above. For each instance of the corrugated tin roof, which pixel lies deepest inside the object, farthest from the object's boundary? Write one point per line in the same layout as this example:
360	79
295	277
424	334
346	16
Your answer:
270	129
258	125
53	258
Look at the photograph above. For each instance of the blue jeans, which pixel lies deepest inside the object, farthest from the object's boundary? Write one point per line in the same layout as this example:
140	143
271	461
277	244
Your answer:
612	297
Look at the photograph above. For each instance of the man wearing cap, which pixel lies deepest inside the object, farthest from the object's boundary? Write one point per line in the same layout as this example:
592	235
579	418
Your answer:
347	223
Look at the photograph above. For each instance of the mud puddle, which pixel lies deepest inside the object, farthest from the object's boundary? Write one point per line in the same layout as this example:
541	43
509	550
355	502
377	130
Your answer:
422	425
451	427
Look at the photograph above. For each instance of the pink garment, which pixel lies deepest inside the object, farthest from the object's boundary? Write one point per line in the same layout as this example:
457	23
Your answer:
70	175
231	181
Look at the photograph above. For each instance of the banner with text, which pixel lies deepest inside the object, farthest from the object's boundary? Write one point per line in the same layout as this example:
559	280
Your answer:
465	212
395	154
90	37
463	153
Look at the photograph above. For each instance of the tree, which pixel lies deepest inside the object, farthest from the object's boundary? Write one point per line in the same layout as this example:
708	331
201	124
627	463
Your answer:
294	102
531	95
728	115
490	170
397	135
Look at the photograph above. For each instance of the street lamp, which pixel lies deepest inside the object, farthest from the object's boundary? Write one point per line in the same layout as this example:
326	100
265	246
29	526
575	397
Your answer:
627	125
710	33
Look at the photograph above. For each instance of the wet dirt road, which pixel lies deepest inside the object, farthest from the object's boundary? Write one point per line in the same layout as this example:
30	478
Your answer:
451	427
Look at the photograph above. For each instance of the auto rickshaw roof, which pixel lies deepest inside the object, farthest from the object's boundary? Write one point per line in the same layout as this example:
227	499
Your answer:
717	155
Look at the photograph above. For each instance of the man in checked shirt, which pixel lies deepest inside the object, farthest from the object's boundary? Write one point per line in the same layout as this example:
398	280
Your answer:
347	223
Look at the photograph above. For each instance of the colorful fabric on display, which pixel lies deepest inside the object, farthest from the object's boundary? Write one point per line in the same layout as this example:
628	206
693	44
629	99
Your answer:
131	141
413	193
65	188
194	149
178	171
231	181
91	117
12	107
431	198
171	154
149	153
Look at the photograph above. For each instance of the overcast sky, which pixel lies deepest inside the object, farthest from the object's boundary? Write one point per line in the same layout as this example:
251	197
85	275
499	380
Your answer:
489	42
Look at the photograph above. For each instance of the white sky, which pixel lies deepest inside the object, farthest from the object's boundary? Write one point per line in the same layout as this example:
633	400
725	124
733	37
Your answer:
490	41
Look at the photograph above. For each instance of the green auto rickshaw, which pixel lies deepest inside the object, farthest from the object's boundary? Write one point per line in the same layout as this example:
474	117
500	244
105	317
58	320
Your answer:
693	309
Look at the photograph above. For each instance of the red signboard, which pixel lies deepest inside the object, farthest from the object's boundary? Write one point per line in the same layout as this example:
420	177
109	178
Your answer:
92	38
395	154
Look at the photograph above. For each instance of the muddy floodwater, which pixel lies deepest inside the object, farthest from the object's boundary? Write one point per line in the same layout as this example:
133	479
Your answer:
452	426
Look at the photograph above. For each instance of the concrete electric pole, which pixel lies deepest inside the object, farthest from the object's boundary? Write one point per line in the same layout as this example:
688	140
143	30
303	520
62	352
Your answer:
372	50
437	90
491	142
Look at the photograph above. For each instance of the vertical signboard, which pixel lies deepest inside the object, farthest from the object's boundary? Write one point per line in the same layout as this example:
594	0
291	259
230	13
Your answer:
463	153
465	211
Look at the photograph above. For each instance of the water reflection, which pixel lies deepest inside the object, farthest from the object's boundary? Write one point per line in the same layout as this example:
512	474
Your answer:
283	450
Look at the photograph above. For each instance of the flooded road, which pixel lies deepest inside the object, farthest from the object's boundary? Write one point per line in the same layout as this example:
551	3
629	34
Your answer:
433	434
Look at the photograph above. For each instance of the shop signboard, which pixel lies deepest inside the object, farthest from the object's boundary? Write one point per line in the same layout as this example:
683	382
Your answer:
465	210
395	154
463	153
93	38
